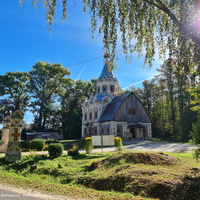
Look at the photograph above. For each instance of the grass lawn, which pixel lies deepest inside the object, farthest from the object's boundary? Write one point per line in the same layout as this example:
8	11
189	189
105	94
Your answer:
123	175
169	140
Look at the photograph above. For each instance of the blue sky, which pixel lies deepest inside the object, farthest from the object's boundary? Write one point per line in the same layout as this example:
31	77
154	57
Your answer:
25	40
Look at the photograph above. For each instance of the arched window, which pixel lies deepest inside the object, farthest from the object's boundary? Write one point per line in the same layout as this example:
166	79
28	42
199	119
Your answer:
96	114
106	99
17	114
104	88
112	88
90	116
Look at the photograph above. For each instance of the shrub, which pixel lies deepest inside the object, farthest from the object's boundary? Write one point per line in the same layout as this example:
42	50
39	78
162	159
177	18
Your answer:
88	145
195	133
37	144
55	150
197	153
118	143
25	144
74	151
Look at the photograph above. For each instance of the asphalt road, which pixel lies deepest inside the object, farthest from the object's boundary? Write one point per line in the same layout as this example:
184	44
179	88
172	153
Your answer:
145	145
160	147
9	195
16	193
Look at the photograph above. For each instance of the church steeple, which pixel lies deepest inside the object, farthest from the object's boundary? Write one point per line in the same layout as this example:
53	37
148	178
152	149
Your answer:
107	83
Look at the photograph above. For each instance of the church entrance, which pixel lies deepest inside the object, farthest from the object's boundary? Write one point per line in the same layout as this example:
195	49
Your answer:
132	131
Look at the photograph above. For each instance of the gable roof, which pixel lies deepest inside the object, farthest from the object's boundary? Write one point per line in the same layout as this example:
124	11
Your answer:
112	108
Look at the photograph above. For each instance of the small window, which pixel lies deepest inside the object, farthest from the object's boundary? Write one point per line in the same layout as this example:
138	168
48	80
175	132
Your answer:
112	88
132	111
105	99
90	115
95	114
85	117
104	88
17	114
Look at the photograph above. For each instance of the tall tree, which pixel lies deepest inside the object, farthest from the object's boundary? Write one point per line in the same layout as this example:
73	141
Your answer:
14	87
47	81
168	76
71	103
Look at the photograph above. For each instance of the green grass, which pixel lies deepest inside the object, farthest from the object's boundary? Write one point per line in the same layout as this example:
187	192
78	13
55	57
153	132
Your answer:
169	140
109	176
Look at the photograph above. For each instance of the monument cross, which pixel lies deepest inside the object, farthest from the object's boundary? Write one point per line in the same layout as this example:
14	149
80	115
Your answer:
15	135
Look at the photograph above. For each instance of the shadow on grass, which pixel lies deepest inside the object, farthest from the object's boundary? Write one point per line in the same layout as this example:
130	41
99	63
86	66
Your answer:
89	156
25	161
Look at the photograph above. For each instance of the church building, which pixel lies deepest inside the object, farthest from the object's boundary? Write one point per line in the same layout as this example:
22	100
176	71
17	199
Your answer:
108	113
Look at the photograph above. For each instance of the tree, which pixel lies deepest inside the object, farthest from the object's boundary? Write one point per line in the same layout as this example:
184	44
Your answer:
14	87
195	133
143	24
168	76
165	26
4	106
70	112
47	81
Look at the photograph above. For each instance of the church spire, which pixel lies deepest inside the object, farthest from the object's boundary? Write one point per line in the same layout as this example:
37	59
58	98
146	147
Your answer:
106	72
107	83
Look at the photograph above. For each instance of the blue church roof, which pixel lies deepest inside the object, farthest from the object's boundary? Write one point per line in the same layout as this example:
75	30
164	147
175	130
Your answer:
99	97
106	72
112	108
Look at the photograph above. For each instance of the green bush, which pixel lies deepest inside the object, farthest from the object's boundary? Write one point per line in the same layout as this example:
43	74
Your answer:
195	133
25	144
197	153
118	143
37	144
55	150
88	145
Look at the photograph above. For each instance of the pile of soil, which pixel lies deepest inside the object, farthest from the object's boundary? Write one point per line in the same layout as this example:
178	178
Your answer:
148	182
130	157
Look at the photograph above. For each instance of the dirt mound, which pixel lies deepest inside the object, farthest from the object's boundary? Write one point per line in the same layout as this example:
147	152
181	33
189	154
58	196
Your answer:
130	157
148	181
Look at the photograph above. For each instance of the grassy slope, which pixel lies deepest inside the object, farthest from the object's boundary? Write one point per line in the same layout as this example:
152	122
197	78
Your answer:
117	172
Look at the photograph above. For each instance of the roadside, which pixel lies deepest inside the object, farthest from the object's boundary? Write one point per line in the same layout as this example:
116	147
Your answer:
137	145
8	192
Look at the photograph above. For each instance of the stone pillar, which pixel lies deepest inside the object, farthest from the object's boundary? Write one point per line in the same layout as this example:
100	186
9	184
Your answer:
5	133
13	152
